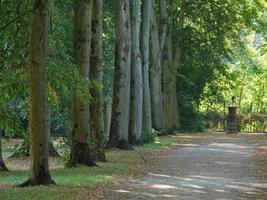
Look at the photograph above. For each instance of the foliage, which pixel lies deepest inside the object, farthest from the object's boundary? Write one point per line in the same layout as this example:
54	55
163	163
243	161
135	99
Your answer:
13	101
108	46
21	150
63	75
223	55
190	118
253	122
211	33
147	138
214	119
246	80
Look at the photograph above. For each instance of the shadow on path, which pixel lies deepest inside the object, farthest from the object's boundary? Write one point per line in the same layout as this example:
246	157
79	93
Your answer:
221	168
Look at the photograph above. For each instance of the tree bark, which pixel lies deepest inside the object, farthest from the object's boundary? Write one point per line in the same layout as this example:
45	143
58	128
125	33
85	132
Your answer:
172	60
108	111
80	148
135	131
51	148
162	23
121	89
155	75
38	94
170	90
147	118
2	164
96	78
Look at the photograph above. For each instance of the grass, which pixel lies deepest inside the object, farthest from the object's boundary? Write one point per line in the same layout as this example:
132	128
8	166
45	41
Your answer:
81	182
87	183
72	182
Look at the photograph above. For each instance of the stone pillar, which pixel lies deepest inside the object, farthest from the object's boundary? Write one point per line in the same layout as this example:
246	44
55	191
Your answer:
232	120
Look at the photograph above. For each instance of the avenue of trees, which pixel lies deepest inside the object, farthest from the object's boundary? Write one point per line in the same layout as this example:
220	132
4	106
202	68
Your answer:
113	73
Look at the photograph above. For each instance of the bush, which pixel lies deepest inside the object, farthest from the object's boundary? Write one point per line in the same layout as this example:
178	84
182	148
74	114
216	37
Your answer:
147	138
191	119
214	119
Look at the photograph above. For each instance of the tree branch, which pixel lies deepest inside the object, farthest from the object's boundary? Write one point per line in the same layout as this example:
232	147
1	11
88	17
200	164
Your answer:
15	19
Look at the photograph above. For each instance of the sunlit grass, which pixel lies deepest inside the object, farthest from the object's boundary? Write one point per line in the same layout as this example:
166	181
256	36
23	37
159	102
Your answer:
160	143
81	182
72	183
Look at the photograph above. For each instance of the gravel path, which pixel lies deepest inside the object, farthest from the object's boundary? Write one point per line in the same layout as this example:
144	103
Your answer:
221	168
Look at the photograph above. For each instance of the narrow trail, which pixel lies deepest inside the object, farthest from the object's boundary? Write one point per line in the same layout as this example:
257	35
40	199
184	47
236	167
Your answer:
218	168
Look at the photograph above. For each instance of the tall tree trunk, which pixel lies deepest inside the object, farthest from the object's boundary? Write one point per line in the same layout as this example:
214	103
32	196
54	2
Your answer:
51	148
135	131
107	120
162	23
80	148
177	62
155	75
121	90
96	78
38	95
170	91
172	61
2	164
147	118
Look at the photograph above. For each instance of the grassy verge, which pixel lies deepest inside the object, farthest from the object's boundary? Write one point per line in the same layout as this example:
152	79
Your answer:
82	182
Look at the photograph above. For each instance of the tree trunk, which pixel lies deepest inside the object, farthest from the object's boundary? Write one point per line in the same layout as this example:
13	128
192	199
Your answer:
38	94
147	118
162	23
108	111
121	89
96	78
155	76
170	93
135	131
2	164
177	62
172	60
51	149
80	148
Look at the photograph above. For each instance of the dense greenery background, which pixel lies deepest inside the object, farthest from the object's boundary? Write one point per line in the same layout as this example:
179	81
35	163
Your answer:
224	55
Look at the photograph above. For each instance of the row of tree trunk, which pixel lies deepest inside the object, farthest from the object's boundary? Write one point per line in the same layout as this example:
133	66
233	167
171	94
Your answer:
87	137
140	101
144	91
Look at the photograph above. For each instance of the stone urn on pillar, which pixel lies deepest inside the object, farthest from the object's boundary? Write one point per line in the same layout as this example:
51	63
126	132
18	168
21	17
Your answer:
232	120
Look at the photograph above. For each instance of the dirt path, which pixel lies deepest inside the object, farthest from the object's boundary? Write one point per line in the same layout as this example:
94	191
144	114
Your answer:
220	168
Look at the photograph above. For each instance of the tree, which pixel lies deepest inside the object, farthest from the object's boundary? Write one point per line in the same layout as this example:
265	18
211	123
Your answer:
80	150
146	118
38	94
96	78
51	148
171	62
118	136
135	131
156	74
171	115
2	164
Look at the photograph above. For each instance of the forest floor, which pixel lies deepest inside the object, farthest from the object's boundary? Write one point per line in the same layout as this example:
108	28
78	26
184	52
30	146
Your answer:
184	166
210	167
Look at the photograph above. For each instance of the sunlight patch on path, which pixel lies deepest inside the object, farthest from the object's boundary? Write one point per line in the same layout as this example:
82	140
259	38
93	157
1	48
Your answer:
212	170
